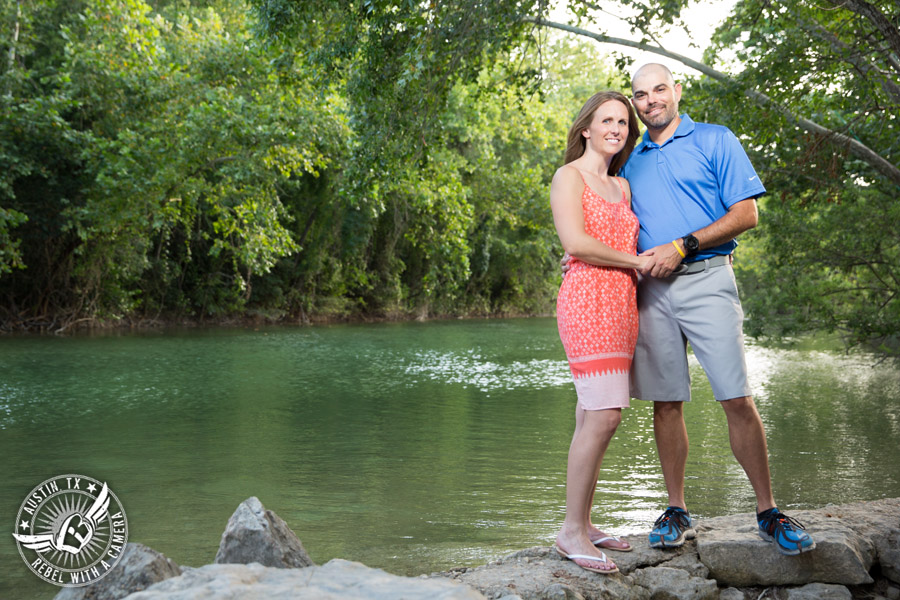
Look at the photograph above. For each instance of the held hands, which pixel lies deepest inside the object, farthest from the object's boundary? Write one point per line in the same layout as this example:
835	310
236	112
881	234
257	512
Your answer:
662	260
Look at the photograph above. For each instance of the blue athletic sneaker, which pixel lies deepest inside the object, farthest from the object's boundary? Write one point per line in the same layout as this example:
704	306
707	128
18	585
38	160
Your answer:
787	533
672	528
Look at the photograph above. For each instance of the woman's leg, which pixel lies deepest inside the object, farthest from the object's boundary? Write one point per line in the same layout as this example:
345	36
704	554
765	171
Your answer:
594	532
593	431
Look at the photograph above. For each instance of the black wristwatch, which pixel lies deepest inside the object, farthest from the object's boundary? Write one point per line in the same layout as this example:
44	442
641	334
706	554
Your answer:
691	245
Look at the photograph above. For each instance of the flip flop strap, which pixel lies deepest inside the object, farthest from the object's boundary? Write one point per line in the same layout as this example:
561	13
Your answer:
601	558
606	539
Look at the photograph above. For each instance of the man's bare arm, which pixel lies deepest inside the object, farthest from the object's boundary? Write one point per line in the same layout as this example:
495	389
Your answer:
742	216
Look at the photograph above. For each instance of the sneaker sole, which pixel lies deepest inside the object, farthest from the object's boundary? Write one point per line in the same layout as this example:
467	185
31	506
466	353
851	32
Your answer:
786	551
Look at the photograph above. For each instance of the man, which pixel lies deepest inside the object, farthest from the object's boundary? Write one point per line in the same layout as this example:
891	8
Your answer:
694	191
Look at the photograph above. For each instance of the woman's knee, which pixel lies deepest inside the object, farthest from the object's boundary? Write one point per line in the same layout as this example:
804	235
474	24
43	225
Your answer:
605	421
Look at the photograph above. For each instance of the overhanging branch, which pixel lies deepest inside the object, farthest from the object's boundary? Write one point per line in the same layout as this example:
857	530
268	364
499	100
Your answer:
875	17
856	147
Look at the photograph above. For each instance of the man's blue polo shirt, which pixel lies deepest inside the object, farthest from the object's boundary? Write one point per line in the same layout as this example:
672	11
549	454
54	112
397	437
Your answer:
688	182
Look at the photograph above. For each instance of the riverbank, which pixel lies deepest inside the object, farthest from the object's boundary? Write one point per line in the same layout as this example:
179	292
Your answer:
60	325
857	556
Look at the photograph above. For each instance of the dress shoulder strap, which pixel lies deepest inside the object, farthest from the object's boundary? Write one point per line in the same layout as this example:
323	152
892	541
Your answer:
622	187
580	174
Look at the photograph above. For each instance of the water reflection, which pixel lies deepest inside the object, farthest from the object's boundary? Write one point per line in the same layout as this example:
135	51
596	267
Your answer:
471	369
411	447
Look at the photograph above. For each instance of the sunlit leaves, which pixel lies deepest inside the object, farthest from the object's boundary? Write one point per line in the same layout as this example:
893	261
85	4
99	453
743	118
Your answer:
185	144
828	230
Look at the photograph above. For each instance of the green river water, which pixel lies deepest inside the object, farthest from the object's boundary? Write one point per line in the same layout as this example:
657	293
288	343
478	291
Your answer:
412	447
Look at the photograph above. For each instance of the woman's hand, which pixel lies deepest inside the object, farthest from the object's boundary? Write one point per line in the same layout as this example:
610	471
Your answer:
645	262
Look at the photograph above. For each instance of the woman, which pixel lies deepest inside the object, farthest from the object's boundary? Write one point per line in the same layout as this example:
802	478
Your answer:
596	307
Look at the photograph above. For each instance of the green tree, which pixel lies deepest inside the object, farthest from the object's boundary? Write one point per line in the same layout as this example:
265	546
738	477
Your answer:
178	148
831	240
398	63
824	82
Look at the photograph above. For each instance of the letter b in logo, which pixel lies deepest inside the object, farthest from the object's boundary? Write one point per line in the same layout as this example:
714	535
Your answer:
75	534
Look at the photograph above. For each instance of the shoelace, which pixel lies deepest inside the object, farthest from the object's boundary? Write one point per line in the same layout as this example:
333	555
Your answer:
680	517
787	522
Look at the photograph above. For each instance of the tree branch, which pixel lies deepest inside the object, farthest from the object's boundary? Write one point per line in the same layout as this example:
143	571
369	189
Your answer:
856	147
11	59
881	23
853	57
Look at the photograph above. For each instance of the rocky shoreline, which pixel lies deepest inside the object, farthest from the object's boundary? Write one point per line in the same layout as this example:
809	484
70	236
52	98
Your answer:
857	555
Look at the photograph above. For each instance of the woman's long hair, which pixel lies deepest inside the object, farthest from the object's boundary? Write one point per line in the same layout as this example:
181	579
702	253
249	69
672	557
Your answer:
576	143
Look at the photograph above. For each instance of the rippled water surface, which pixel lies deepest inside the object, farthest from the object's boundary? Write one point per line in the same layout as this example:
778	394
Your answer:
412	447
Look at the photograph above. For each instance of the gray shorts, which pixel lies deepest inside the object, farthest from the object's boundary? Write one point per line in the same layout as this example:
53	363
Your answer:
700	308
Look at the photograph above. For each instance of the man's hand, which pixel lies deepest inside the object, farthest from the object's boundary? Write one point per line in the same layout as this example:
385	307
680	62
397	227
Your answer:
663	261
564	263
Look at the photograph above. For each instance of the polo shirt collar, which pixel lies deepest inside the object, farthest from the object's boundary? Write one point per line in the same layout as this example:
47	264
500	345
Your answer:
685	127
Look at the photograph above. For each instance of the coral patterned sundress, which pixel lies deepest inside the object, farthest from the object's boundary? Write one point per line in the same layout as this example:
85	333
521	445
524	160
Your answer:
596	309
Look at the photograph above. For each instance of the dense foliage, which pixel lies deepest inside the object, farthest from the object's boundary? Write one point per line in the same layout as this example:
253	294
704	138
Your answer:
161	161
813	89
829	248
157	158
292	159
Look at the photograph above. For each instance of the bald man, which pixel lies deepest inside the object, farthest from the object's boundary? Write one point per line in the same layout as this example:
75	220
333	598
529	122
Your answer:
694	190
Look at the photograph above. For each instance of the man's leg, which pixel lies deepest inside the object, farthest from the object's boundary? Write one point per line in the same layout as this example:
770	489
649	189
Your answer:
675	525
672	445
748	443
659	371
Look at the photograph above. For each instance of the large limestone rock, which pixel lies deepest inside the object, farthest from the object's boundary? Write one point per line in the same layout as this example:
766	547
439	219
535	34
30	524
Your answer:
851	541
878	521
888	547
735	554
254	534
337	579
140	568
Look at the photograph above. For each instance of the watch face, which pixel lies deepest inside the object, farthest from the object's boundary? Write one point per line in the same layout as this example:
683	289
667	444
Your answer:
691	244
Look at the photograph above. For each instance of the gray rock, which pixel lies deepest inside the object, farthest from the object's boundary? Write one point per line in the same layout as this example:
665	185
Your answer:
736	556
336	580
558	591
818	591
140	568
887	545
666	583
851	540
257	535
877	521
688	562
643	556
534	573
